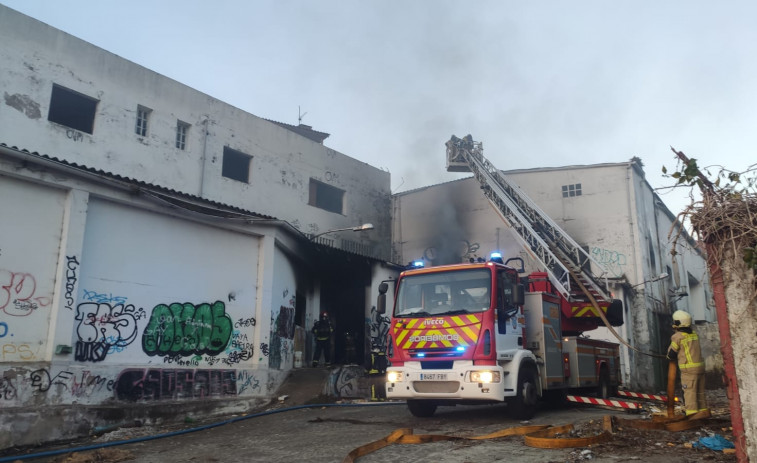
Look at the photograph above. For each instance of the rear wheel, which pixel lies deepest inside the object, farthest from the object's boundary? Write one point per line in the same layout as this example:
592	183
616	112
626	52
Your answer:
523	405
421	408
604	388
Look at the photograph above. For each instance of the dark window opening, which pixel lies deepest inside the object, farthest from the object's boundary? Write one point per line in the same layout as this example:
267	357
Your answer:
571	190
326	197
72	109
236	165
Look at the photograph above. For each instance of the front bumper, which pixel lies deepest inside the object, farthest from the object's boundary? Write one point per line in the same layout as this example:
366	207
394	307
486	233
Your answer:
462	382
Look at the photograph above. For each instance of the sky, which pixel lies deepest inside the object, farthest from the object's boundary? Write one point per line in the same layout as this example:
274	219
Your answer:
541	84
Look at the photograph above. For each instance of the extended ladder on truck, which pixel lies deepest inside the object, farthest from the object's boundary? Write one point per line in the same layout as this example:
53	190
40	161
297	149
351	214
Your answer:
567	264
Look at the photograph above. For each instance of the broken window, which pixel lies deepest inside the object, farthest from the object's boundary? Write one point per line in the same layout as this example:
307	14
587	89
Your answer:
181	134
571	190
326	197
143	114
236	165
72	109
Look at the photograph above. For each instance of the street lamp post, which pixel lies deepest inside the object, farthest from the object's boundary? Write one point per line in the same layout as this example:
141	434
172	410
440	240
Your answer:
365	226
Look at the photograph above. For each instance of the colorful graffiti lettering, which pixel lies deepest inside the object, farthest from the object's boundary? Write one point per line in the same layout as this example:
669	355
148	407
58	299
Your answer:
157	384
3	329
186	329
17	294
613	261
93	296
104	329
17	351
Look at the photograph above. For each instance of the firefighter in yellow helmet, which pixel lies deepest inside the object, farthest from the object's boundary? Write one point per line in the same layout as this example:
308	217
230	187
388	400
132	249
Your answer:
684	347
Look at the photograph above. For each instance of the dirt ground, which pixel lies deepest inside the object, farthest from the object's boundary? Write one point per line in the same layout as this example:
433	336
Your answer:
627	443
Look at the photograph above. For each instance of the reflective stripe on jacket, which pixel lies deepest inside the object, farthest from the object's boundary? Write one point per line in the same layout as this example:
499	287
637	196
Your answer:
688	349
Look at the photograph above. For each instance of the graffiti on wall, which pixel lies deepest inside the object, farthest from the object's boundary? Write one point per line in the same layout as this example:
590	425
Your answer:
379	328
103	298
246	381
186	329
104	329
20	351
345	382
613	261
18	294
76	384
282	332
7	389
135	384
72	265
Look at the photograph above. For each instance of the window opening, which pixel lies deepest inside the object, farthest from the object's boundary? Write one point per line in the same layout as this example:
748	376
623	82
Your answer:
571	190
181	134
326	197
143	114
72	109
236	165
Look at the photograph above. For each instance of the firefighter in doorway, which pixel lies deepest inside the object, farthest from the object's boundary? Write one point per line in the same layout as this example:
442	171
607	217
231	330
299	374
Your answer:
684	347
323	331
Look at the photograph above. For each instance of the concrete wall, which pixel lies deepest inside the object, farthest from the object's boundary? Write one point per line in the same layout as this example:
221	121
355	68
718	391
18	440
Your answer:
109	299
36	56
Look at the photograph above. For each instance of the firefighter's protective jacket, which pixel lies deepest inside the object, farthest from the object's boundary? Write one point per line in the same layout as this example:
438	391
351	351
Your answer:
322	330
686	346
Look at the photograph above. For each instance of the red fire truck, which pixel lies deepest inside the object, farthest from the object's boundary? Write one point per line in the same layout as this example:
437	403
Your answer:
482	333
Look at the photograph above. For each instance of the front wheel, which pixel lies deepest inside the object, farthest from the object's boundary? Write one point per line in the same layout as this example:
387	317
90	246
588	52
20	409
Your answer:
421	408
523	405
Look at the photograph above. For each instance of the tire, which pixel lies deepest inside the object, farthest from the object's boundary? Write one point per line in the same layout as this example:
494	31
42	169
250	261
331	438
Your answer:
421	408
604	387
523	405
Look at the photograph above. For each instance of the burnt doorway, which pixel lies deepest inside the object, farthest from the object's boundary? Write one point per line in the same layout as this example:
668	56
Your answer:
344	279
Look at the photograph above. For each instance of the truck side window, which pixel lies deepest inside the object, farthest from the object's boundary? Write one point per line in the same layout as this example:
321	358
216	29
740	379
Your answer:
502	302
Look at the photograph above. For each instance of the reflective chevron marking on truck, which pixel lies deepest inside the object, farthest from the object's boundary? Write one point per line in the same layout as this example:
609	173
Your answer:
586	311
437	332
607	402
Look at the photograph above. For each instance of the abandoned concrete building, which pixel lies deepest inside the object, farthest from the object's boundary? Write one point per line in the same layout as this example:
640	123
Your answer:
158	244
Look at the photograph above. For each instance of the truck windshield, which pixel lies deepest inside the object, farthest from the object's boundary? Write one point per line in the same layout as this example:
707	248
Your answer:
444	293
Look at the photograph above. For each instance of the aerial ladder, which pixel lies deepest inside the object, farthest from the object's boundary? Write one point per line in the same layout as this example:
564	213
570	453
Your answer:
568	265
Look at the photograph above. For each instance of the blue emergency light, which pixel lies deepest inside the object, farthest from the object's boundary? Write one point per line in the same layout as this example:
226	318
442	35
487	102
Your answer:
496	256
418	264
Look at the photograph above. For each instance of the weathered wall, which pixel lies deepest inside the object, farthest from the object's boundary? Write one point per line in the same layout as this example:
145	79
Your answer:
107	300
36	56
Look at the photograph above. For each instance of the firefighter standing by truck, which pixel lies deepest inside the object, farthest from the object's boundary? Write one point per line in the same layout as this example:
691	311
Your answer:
685	348
322	330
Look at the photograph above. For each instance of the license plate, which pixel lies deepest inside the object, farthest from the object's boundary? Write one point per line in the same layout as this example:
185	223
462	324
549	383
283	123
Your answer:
433	376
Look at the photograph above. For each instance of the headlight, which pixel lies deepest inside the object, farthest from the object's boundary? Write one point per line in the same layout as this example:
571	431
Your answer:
484	376
393	377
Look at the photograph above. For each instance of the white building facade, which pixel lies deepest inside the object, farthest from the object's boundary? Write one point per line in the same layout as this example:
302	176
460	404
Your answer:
611	211
158	246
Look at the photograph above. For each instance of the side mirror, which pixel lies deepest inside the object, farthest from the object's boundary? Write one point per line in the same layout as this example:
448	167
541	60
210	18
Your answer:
383	288
519	294
381	303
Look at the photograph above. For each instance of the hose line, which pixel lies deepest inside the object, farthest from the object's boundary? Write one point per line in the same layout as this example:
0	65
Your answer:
50	453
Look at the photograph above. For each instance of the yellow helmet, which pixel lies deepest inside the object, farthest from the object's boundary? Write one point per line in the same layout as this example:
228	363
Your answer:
681	319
